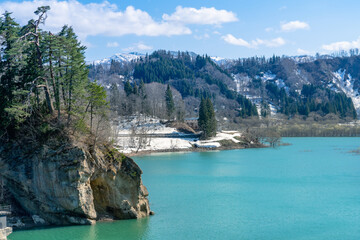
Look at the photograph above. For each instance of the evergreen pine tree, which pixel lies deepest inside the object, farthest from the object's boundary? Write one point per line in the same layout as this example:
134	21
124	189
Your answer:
202	120
128	88
211	128
12	85
114	98
135	89
34	35
170	106
30	58
97	101
207	120
76	73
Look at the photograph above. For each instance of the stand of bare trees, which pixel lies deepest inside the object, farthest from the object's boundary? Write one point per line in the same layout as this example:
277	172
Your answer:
146	99
138	136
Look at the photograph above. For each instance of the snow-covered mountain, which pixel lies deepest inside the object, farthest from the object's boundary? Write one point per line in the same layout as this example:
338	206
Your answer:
221	61
128	57
119	57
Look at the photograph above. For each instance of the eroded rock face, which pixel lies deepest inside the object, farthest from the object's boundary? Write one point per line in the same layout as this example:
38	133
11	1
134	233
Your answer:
65	183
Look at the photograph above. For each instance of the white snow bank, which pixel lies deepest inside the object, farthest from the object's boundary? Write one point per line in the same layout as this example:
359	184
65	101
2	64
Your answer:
129	145
148	128
207	144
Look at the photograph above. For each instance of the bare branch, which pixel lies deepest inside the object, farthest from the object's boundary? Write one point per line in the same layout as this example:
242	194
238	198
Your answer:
27	34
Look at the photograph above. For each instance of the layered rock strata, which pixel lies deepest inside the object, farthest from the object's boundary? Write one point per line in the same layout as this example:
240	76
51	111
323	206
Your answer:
61	183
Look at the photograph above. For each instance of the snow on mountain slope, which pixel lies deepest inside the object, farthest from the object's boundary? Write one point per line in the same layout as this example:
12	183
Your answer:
217	59
242	83
128	57
119	57
346	84
302	78
221	61
268	76
303	58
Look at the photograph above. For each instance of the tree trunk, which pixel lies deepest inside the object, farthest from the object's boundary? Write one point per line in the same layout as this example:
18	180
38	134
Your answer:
37	97
91	117
55	87
69	103
62	83
48	98
46	88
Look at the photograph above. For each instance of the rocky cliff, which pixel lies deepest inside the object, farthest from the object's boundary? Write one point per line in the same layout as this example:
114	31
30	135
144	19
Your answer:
63	182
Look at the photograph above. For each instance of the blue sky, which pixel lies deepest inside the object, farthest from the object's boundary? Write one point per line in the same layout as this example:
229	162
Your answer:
223	28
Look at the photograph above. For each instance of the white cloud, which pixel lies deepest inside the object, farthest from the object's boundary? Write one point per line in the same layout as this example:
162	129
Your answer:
343	45
112	44
283	8
229	38
140	46
201	37
202	16
294	25
302	51
276	42
269	29
95	18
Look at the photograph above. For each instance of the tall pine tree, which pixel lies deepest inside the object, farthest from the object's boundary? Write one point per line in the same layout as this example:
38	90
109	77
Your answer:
207	120
170	106
75	75
128	88
13	87
38	68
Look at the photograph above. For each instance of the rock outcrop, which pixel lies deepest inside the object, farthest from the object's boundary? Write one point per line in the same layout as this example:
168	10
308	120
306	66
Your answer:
66	182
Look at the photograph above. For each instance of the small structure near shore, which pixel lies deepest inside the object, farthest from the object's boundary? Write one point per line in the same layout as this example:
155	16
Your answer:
4	229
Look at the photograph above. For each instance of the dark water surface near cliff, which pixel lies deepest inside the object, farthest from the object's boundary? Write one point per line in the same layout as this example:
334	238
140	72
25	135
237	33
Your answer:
309	190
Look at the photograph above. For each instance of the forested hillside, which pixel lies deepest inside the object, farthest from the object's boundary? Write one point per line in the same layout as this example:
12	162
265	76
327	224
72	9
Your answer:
300	86
319	88
191	77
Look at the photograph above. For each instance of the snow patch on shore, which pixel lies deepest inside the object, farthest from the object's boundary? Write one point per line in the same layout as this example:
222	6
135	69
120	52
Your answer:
131	145
139	133
128	144
142	124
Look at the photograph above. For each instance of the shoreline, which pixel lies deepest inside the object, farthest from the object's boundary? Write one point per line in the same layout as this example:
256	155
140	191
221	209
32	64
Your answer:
193	149
157	143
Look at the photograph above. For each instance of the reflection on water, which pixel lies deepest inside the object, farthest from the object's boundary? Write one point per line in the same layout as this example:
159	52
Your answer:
91	234
126	229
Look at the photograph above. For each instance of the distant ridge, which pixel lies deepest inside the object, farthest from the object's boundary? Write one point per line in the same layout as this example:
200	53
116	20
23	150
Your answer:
131	56
128	57
119	57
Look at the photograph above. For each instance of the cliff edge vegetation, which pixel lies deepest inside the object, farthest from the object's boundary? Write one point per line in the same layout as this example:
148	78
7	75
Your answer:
57	164
60	178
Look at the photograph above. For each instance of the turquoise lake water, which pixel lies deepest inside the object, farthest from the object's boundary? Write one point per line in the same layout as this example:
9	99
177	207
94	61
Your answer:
309	190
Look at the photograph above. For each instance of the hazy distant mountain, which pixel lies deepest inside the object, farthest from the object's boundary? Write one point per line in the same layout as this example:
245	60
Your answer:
119	57
128	57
